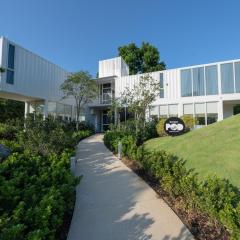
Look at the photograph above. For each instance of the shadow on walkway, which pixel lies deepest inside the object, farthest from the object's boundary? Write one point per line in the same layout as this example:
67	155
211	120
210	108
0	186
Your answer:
113	203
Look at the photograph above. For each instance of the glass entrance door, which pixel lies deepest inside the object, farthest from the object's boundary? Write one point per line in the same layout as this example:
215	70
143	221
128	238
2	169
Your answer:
105	120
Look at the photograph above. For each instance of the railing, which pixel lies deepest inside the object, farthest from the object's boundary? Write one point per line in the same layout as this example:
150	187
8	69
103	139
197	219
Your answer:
102	100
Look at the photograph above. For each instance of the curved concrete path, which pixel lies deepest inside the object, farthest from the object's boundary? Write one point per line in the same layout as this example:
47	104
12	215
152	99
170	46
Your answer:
113	203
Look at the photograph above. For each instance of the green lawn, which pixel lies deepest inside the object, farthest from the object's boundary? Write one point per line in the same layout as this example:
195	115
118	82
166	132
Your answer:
214	149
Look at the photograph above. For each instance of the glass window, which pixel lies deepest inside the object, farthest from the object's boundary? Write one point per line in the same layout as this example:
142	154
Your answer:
237	76
163	110
173	110
212	107
186	83
161	86
188	109
11	53
200	119
200	108
60	108
161	93
161	80
212	118
10	77
154	111
227	78
211	80
198	81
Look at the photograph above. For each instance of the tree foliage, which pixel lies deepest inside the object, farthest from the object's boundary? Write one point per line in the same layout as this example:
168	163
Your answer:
10	109
2	70
81	87
141	59
138	99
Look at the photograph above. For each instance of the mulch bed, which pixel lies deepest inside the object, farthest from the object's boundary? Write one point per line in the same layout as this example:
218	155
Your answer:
198	223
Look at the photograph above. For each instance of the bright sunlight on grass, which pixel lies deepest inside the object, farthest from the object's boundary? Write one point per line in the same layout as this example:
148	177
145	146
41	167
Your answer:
214	149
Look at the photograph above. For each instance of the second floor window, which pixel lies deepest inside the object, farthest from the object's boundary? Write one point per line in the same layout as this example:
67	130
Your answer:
10	65
161	86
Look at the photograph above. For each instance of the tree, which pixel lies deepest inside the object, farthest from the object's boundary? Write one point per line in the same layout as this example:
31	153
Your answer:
138	99
82	88
141	59
2	70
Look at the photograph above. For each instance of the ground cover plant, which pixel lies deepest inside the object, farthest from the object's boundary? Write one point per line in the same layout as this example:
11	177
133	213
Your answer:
37	190
211	207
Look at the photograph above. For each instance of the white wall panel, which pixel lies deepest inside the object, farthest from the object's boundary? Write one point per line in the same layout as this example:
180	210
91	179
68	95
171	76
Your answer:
34	76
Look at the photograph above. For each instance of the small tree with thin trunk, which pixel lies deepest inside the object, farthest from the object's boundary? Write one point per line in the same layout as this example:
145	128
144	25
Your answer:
138	99
82	88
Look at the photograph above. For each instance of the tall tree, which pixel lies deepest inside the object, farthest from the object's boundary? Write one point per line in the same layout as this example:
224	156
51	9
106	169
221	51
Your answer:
82	88
143	59
138	99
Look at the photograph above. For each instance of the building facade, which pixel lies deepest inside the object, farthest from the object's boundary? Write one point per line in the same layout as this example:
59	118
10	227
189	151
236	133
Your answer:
208	92
33	80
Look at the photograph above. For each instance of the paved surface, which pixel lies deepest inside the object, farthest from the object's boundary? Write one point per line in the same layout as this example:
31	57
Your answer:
113	203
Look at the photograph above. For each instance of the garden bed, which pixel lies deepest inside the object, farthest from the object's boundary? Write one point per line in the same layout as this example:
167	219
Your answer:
198	224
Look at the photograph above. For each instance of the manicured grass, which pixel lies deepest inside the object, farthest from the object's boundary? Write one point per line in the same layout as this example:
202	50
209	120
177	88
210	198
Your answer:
214	149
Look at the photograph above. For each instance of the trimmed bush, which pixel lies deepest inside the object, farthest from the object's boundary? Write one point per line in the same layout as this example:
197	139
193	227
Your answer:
160	128
189	121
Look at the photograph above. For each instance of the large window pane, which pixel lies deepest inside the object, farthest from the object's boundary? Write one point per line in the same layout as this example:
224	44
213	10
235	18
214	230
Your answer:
237	76
173	110
154	111
161	86
163	110
211	80
188	109
11	53
198	81
161	80
227	78
186	83
10	77
200	108
212	118
212	107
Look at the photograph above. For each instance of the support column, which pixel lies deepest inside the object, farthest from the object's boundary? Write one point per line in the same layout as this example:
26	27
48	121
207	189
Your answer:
45	109
220	110
27	109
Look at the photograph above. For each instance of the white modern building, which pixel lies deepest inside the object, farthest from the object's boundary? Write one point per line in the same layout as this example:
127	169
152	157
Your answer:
33	80
209	92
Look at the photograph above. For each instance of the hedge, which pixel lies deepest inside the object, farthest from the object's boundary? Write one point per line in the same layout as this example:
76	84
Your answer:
216	197
37	190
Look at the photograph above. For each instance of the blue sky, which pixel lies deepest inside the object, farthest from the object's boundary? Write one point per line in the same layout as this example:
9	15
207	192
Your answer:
75	34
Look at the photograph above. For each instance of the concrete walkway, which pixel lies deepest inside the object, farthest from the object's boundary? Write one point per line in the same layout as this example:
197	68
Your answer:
113	203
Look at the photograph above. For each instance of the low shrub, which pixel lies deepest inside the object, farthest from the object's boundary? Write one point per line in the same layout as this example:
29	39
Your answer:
79	135
150	129
37	190
160	128
189	121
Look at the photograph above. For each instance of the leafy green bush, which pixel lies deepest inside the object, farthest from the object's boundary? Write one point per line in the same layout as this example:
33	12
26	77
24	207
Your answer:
79	135
37	190
189	121
160	128
8	132
150	129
